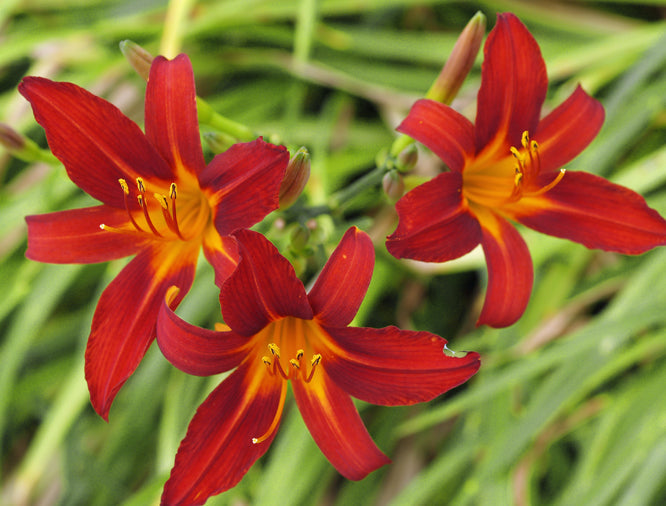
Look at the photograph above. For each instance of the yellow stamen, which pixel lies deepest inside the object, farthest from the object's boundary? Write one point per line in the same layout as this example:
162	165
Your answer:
316	359
162	200
273	348
142	203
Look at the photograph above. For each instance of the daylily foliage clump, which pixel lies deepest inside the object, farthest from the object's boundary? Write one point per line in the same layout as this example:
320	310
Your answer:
164	204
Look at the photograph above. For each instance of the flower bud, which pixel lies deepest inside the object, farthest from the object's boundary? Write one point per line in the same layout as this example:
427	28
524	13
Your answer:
464	52
138	57
393	185
23	148
295	178
298	238
11	139
407	158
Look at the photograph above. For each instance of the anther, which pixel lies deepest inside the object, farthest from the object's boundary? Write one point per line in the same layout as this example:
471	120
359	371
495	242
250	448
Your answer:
162	200
295	363
518	177
144	206
316	359
123	185
140	186
174	224
273	348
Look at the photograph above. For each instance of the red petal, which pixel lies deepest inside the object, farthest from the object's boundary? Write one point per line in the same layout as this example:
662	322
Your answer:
339	290
222	253
75	236
510	273
435	225
218	450
263	288
568	129
171	114
446	132
195	350
394	367
513	85
244	183
336	427
123	326
596	213
96	142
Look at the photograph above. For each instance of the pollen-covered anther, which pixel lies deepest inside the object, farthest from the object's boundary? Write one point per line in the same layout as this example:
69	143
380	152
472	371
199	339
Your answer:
527	169
297	367
167	205
273	348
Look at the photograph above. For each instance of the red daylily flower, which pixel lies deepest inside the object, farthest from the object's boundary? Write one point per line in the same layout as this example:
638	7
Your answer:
278	332
160	202
505	168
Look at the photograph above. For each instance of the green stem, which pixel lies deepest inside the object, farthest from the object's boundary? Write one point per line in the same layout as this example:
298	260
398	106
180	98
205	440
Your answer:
211	118
172	36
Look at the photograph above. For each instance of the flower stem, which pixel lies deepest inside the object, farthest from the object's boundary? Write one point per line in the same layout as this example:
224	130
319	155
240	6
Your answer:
172	37
211	118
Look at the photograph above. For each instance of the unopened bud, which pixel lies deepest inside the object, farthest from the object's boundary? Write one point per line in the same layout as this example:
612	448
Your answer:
23	148
295	178
11	139
138	57
393	185
298	239
450	79
407	158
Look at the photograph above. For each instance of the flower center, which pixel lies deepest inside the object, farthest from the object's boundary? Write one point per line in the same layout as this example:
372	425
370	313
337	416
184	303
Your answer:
193	208
295	337
494	183
297	366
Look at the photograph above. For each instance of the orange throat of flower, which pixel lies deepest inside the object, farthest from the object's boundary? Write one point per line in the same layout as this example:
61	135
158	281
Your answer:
495	183
296	337
159	216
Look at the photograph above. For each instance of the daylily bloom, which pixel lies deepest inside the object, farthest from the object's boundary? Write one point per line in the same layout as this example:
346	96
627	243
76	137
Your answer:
504	167
160	202
279	334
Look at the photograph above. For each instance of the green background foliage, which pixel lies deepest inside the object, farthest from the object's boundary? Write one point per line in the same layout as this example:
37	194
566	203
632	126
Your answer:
568	407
